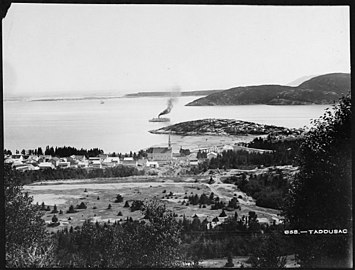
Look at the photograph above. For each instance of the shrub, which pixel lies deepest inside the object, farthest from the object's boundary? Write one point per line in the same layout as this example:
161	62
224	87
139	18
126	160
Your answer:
222	214
119	198
55	210
136	205
81	206
54	219
71	209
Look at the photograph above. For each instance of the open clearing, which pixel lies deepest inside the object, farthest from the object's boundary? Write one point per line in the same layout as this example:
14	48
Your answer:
97	194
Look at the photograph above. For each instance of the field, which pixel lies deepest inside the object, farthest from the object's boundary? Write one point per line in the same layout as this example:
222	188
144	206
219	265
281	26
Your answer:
97	194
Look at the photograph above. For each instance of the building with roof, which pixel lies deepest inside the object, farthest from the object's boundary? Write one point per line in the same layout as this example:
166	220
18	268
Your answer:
17	157
238	147
159	154
129	161
152	164
46	165
211	155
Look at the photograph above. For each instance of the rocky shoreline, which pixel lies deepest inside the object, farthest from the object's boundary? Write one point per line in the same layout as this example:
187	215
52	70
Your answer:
223	127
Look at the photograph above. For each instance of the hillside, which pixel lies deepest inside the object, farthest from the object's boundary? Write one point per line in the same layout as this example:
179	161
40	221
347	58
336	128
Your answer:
324	89
298	81
334	82
222	127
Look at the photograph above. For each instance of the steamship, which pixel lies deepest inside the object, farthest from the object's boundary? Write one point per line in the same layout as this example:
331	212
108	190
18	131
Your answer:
159	119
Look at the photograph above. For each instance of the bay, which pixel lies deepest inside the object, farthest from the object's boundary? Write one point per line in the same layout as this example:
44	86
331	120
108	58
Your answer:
122	124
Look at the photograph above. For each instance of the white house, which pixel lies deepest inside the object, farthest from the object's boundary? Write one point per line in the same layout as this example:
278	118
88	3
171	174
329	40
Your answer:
17	163
152	164
113	161
96	164
193	162
46	165
237	147
227	147
78	157
129	161
64	164
211	155
27	167
17	157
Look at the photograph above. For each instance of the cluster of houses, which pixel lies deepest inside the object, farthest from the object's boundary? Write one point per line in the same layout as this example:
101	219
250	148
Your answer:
156	157
33	162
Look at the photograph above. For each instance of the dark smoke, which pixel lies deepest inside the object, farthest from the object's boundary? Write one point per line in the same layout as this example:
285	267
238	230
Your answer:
175	93
168	109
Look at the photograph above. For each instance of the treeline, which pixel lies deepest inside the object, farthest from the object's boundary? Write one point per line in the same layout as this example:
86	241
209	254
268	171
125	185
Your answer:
233	159
279	145
159	240
234	237
269	190
30	176
212	200
67	151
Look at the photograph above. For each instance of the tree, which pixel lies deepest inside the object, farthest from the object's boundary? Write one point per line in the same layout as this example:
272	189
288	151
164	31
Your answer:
223	214
55	210
71	209
27	243
268	252
54	219
229	261
39	151
82	205
320	196
119	198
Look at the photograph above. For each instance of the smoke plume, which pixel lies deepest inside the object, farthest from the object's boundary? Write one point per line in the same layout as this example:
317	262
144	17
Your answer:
175	93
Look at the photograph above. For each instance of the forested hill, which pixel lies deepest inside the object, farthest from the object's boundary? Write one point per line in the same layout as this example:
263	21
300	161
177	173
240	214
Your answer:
324	89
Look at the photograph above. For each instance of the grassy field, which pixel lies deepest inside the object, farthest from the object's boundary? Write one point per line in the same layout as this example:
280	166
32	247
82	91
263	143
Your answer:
97	194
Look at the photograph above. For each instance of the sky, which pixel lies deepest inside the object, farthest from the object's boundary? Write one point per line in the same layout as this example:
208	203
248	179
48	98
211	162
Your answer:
77	49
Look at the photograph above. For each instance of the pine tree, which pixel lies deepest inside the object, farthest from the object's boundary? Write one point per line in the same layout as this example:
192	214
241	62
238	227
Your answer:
320	196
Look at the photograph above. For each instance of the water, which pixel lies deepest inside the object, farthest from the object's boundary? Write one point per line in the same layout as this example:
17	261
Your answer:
121	125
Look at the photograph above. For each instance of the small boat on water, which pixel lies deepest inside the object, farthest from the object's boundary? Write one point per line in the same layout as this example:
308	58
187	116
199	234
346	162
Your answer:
102	102
159	119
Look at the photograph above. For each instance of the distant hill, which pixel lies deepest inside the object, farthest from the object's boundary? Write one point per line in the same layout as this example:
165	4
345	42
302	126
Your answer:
298	81
334	82
324	89
168	94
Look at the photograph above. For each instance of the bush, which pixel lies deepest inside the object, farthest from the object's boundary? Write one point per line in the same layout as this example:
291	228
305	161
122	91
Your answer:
81	206
119	198
54	219
222	214
136	205
71	209
55	210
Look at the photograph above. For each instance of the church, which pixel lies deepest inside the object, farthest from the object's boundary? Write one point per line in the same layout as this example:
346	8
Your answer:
160	153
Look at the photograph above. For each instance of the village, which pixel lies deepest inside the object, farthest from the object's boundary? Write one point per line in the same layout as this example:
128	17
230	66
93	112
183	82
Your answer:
157	158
